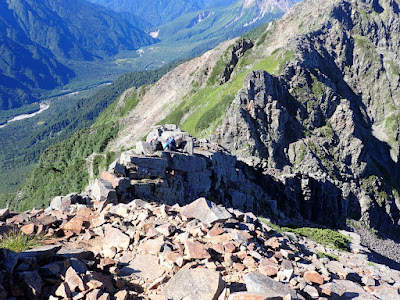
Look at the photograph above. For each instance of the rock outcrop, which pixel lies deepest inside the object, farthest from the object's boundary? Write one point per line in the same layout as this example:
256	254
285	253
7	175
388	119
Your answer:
239	49
210	171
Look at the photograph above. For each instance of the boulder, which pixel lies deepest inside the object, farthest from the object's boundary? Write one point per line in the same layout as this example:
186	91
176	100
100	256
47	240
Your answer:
113	237
205	211
262	284
42	254
28	228
152	246
313	277
144	266
346	289
194	284
74	280
63	291
187	163
74	225
196	250
103	190
143	148
117	168
32	284
64	202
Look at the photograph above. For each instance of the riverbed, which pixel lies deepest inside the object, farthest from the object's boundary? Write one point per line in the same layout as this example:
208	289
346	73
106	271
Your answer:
42	108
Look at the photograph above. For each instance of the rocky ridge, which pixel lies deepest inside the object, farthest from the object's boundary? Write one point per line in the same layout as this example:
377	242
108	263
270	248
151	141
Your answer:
322	116
105	243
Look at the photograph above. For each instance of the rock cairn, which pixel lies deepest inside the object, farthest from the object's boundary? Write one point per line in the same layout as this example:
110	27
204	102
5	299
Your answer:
141	250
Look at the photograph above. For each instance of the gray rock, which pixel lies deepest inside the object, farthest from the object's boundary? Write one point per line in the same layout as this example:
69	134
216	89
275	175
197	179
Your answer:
311	291
205	211
103	190
194	284
79	266
67	253
117	168
32	284
385	291
53	270
345	289
156	163
137	203
238	50
144	266
113	237
187	163
43	254
262	284
60	203
4	213
10	259
143	148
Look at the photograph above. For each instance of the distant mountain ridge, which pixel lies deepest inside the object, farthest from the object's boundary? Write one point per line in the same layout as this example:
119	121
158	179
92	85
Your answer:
40	37
165	11
154	12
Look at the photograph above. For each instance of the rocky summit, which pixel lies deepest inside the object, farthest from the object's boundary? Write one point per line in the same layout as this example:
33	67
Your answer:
106	244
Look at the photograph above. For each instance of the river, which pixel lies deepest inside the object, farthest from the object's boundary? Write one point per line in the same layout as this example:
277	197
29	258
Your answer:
43	107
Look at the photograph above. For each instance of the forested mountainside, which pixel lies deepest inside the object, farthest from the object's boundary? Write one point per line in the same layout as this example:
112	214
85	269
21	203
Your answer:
20	151
38	38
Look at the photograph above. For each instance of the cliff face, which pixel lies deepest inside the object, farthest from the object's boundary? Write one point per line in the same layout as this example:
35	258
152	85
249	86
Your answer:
332	113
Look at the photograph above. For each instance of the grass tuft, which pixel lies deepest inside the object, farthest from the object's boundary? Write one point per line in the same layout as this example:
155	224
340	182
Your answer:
17	241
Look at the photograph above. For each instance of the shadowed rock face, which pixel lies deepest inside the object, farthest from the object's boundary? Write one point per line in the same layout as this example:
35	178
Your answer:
333	114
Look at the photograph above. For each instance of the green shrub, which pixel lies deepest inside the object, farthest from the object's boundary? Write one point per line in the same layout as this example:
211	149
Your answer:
327	237
324	236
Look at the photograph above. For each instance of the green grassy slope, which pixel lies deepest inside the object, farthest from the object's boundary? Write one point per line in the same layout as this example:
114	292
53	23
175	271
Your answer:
203	111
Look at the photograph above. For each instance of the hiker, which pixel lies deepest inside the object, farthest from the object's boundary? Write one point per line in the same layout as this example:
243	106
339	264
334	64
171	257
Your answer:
171	145
155	144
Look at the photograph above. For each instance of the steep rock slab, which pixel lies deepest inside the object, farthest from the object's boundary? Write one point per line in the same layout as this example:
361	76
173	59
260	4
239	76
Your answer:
194	284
